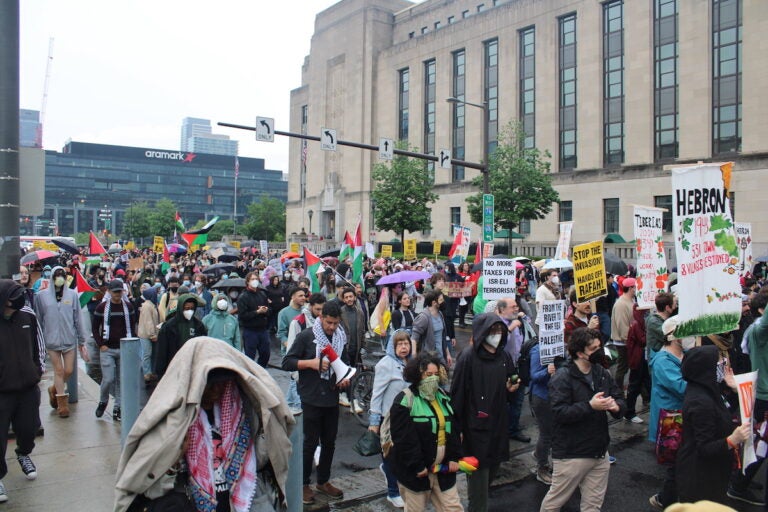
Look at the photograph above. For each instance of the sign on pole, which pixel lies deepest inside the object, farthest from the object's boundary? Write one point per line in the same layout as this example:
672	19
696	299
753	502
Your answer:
409	249
551	331
264	247
157	244
328	139
437	245
386	149
265	129
564	241
651	262
294	247
386	251
488	220
589	271
444	159
498	278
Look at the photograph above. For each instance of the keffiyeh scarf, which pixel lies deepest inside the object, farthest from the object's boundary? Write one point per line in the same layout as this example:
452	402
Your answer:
108	319
321	339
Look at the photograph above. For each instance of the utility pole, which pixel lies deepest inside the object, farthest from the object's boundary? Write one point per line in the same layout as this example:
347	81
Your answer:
9	138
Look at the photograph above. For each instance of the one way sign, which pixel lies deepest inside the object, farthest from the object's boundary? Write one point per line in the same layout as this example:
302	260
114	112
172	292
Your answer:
444	159
327	139
265	129
386	149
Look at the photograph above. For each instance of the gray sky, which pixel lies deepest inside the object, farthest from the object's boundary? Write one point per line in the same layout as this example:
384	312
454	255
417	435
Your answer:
127	73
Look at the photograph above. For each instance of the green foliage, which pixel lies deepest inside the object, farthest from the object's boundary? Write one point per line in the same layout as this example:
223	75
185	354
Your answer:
221	228
82	238
266	220
519	180
162	218
717	222
402	191
711	323
727	242
136	221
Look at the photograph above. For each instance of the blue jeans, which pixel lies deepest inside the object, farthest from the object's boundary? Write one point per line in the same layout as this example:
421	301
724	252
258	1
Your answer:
257	341
146	356
292	396
392	489
514	409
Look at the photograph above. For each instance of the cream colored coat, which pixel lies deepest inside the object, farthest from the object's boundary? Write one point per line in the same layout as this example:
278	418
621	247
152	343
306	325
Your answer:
154	443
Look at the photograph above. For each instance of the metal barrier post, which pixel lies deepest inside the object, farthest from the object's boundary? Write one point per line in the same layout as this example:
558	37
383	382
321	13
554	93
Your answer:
295	480
130	384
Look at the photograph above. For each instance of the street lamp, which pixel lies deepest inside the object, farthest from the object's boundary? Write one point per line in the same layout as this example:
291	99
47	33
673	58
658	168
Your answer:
484	107
310	213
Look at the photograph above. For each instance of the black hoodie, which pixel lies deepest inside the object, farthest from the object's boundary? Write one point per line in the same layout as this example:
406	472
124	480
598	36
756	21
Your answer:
21	344
480	396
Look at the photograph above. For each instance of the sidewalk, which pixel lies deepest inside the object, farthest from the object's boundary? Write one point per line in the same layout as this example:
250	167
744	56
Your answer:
76	459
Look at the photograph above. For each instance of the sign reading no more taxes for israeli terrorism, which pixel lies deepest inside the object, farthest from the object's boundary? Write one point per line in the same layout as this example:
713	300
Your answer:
498	278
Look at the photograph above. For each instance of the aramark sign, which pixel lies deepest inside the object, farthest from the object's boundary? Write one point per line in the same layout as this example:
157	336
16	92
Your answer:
170	155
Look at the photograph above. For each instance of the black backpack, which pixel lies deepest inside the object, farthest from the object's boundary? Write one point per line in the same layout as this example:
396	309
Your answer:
524	361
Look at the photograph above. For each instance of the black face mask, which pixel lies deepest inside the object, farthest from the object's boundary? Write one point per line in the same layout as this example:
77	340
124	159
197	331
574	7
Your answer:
174	289
596	357
17	302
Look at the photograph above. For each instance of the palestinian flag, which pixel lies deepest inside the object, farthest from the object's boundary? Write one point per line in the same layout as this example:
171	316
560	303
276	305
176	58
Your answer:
166	259
179	223
84	290
458	241
95	246
357	260
345	251
479	251
313	264
199	236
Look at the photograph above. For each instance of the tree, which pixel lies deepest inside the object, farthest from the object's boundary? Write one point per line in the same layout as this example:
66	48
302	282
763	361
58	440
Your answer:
162	218
519	180
403	192
266	220
221	228
136	221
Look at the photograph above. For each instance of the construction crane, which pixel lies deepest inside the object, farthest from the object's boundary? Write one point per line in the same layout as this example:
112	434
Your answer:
44	107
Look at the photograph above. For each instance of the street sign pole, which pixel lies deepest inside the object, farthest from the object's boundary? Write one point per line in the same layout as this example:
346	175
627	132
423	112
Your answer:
488	220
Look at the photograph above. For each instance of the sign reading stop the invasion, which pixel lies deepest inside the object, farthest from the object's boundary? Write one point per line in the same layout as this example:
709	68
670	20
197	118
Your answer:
551	331
498	278
589	271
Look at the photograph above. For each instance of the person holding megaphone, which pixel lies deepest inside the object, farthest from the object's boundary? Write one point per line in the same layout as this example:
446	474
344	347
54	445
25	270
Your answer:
320	355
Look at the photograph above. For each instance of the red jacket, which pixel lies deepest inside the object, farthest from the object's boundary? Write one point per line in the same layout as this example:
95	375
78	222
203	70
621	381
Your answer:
636	339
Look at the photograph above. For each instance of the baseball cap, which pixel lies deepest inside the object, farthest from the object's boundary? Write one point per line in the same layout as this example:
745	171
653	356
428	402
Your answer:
115	285
120	272
669	326
629	282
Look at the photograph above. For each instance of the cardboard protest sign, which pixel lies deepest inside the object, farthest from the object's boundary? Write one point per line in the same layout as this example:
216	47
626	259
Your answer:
135	264
747	383
589	271
651	261
409	249
157	244
551	331
498	278
457	290
386	251
707	252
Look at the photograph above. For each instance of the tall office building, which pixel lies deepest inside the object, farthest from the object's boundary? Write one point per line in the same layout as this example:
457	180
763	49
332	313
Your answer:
193	127
613	90
30	130
196	136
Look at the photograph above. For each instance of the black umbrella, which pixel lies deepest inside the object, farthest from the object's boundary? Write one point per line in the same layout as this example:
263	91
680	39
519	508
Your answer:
232	282
219	268
614	264
66	245
228	258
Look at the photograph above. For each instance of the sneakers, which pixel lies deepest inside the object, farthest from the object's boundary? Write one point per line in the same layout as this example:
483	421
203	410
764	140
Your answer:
356	408
396	501
343	400
745	495
100	409
544	475
330	490
635	419
27	466
307	495
116	414
611	459
655	503
3	496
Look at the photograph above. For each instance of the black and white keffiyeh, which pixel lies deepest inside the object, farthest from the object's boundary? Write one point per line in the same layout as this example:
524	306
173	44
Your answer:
321	339
107	319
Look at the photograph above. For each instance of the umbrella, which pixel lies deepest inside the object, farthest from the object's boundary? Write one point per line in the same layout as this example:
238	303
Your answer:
404	276
223	254
333	252
289	255
177	248
233	282
614	264
762	259
219	268
114	248
66	245
34	256
330	260
558	264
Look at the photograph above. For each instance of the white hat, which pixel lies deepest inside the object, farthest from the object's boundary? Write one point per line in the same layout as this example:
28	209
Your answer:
669	326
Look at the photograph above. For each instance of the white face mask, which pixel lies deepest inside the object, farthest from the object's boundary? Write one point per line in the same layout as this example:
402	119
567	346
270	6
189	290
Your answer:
198	284
59	282
555	280
493	340
233	294
188	314
688	343
222	304
253	283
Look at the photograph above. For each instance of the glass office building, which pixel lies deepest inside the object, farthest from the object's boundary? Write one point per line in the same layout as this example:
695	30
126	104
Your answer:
86	178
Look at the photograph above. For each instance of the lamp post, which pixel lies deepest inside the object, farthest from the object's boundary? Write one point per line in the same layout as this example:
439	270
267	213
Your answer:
309	214
484	107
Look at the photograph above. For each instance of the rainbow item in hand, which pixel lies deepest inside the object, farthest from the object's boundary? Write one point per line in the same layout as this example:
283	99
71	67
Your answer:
467	465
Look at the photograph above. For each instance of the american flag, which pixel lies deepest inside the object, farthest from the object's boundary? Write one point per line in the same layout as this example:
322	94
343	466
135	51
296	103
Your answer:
237	167
304	152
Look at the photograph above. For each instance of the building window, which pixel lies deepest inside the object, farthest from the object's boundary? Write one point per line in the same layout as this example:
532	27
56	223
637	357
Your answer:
459	80
666	217
455	219
429	112
665	51
613	82
424	30
527	78
565	211
437	25
411	35
481	8
465	14
524	227
402	104
451	20
491	93
726	76
611	215
567	84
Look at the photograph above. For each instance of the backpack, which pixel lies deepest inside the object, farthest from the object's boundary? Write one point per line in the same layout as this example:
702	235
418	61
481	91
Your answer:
524	360
385	432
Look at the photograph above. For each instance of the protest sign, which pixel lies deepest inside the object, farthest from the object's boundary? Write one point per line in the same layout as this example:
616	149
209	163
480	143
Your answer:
136	264
551	322
460	247
487	249
157	244
436	247
746	383
409	249
589	271
263	247
498	278
564	241
709	291
552	316
744	241
386	251
457	290
294	247
651	261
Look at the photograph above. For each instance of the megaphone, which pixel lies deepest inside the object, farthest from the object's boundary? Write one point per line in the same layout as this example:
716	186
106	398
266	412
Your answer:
341	370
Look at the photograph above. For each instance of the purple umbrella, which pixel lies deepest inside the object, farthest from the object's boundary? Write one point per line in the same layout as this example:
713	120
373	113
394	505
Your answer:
404	276
177	248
